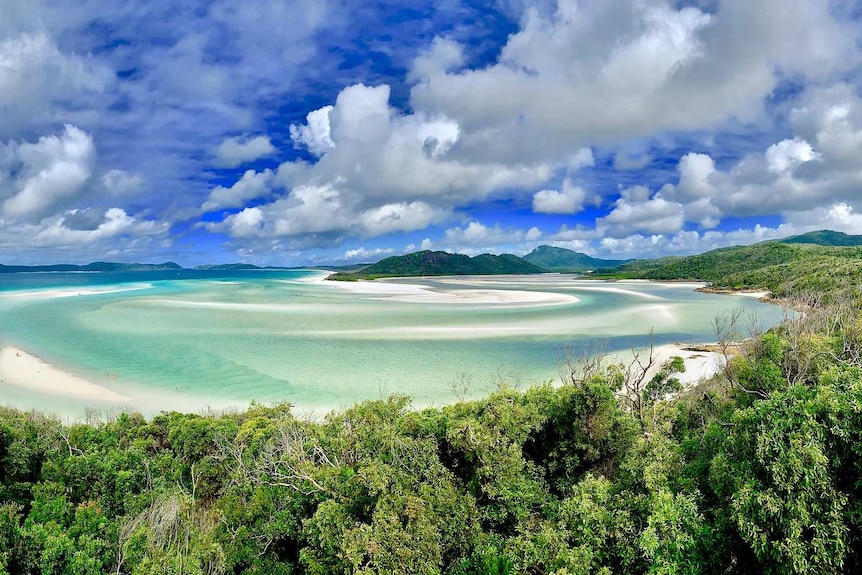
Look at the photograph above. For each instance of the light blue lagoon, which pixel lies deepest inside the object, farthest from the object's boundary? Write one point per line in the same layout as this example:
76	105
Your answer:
190	339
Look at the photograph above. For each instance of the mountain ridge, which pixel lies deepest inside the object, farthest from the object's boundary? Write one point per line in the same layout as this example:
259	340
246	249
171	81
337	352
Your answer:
558	259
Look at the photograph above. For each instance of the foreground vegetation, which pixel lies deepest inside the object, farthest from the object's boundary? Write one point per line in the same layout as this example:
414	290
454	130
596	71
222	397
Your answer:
759	471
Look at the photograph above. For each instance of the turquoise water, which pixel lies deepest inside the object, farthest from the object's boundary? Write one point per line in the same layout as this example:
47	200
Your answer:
183	340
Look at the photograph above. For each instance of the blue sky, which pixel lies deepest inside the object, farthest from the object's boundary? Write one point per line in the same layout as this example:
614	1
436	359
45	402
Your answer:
300	132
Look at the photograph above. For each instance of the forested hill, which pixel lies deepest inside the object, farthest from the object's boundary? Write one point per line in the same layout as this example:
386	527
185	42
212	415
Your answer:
563	260
825	238
91	267
428	263
781	267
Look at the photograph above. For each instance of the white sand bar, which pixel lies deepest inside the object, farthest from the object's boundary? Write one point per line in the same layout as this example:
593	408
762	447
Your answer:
24	370
418	293
699	365
71	292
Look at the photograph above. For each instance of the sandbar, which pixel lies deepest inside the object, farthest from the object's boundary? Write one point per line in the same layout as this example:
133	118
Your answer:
71	292
24	370
418	293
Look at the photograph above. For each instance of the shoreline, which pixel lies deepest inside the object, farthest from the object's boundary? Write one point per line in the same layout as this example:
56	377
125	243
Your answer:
28	379
700	364
24	370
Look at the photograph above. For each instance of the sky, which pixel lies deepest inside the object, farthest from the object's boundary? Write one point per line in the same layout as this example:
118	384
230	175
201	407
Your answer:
294	132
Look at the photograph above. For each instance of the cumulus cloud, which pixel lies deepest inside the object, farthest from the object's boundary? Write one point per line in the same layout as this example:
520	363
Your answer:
787	154
569	199
363	254
799	174
164	90
116	221
121	182
603	72
314	134
379	172
476	234
443	56
35	74
634	212
233	152
50	171
251	185
400	217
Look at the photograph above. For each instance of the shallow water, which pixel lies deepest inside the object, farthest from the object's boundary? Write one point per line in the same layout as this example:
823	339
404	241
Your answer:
182	340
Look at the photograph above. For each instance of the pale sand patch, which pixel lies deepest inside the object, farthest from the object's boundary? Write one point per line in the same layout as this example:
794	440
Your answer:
699	365
70	292
418	293
21	369
754	294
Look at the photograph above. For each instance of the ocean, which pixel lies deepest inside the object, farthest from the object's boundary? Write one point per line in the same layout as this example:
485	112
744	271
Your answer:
191	339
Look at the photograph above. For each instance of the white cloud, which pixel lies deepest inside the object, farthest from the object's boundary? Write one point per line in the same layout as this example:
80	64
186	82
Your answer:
819	168
251	186
236	151
400	217
52	170
603	72
634	213
476	234
361	253
533	234
443	56
116	221
314	135
379	172
787	154
694	172
35	74
569	200
121	182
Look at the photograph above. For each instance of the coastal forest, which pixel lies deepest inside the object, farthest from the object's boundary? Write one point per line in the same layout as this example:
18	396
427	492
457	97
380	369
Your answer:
613	469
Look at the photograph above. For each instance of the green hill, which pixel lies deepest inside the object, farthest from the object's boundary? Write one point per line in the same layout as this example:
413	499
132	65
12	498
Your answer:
781	267
825	238
560	259
428	263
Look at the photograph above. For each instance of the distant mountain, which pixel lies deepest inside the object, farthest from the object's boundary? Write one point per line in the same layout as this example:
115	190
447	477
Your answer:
428	263
121	267
561	259
92	267
227	267
824	238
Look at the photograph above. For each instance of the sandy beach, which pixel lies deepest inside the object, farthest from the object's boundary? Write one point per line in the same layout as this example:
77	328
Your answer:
698	364
23	370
